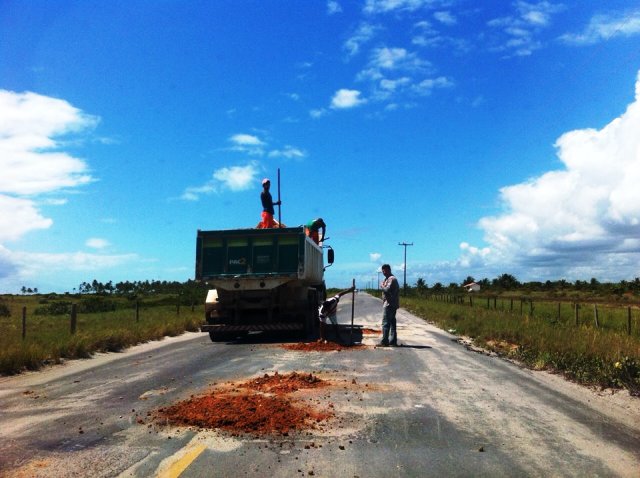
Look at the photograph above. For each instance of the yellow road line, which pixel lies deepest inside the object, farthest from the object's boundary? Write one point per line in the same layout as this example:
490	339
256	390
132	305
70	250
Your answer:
177	467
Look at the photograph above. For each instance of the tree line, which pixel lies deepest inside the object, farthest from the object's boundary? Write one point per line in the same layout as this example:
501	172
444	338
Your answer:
508	282
135	288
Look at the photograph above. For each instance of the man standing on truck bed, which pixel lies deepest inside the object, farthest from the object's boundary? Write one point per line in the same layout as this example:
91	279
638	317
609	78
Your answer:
267	206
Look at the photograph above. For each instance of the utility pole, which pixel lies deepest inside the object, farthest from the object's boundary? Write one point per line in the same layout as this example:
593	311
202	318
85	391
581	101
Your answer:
405	244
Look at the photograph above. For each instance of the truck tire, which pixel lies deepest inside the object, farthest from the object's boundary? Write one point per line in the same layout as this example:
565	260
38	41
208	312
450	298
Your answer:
322	292
311	322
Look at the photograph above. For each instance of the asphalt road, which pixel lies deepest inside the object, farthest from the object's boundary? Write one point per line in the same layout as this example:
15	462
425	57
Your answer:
429	408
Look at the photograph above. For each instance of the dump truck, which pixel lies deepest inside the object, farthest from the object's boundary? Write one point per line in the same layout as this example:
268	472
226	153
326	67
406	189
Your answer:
260	280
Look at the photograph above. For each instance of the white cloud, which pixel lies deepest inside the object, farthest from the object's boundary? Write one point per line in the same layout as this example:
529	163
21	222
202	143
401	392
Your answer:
55	201
396	73
97	243
246	140
234	178
333	7
539	13
247	143
18	268
237	178
606	27
31	163
19	216
396	59
426	86
35	264
393	85
289	152
375	256
445	17
585	218
523	28
29	126
384	6
363	34
345	98
392	71
318	113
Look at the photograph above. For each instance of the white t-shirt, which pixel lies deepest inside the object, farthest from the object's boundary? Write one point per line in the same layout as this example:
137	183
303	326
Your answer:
329	309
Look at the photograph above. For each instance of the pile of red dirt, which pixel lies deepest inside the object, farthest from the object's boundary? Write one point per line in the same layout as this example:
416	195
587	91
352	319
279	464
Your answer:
288	383
321	346
259	406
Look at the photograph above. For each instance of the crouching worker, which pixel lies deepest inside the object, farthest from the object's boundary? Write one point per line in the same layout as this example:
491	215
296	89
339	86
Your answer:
328	314
312	229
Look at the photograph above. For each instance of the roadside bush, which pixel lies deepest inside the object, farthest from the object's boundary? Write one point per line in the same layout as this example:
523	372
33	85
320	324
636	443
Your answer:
55	308
159	301
4	310
627	374
90	305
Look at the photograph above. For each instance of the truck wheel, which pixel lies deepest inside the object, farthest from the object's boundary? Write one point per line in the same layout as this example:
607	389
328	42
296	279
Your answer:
322	292
311	319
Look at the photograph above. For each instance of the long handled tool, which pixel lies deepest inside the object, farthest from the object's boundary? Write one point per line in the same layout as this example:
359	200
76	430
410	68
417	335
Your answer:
279	202
353	305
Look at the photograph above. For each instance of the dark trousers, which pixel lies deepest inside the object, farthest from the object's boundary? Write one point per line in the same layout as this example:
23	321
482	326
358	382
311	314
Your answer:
389	326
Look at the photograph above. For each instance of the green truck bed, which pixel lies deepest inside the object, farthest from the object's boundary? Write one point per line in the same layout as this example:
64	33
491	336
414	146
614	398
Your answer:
258	253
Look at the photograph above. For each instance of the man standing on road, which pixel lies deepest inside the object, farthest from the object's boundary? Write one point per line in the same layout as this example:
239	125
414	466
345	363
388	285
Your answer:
390	304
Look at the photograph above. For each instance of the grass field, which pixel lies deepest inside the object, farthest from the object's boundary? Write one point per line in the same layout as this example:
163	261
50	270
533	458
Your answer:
605	356
49	339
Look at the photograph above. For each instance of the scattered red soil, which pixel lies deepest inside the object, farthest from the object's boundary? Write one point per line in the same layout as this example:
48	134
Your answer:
366	331
259	406
321	347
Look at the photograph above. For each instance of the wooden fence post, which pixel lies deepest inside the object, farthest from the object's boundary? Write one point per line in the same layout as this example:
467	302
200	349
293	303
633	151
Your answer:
24	322
511	305
488	303
628	320
495	303
470	300
595	315
137	311
74	318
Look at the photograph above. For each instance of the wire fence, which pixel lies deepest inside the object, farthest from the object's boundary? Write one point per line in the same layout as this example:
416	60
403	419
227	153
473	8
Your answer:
73	312
619	318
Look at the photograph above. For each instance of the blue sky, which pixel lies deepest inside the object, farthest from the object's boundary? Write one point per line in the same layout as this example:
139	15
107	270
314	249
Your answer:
497	137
